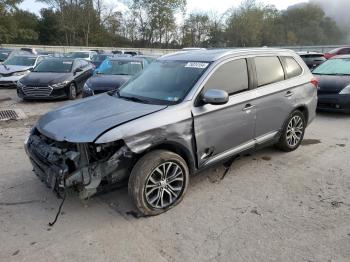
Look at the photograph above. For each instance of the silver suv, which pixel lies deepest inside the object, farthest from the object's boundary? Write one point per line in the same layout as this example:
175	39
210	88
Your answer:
185	112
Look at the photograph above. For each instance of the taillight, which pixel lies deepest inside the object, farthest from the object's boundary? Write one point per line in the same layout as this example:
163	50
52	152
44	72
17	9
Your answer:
314	81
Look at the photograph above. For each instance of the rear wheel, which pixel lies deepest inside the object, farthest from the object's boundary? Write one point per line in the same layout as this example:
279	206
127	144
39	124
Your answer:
72	92
158	182
293	132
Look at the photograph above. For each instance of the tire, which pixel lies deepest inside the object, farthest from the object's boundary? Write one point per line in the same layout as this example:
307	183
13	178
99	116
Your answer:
72	92
146	184
296	124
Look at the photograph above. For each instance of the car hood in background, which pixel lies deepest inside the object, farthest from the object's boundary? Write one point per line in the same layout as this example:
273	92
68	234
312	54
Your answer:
45	79
332	84
85	120
12	69
107	82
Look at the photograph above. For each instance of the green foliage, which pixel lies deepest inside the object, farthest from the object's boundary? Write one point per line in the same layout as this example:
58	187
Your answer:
155	23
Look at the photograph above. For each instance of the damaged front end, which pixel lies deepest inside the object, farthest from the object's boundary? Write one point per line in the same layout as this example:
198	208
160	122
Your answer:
85	167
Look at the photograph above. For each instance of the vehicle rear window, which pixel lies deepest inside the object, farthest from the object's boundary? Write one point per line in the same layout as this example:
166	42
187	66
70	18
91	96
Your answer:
269	70
119	67
231	77
337	66
292	67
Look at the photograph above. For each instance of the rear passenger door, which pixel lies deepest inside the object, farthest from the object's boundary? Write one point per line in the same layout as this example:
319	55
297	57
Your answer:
275	94
224	130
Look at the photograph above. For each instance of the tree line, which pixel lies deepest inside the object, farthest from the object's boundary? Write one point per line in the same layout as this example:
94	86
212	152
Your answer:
165	24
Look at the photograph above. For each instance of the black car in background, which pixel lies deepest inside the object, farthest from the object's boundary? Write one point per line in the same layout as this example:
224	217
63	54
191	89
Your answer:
334	84
312	59
112	73
55	78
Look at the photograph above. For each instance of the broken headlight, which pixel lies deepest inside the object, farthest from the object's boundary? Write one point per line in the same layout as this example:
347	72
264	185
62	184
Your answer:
102	152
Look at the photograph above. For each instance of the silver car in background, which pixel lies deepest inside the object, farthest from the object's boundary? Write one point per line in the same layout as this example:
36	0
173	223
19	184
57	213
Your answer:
17	66
185	112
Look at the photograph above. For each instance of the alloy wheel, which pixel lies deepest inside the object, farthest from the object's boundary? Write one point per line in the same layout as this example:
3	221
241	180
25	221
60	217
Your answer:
295	131
165	185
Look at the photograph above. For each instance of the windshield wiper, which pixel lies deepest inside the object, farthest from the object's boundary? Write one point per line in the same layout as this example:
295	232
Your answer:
132	98
5	66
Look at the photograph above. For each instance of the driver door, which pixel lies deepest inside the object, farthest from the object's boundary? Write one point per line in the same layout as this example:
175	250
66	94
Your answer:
222	131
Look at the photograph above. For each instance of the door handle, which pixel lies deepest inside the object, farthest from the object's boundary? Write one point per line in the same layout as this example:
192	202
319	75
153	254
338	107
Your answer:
248	107
289	93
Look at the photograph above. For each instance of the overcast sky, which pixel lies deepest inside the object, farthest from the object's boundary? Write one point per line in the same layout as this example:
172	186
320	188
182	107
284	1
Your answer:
192	5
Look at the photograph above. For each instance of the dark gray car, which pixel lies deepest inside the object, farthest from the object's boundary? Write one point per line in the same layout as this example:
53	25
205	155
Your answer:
185	112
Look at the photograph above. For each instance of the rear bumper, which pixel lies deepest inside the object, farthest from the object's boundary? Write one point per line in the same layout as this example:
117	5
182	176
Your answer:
334	103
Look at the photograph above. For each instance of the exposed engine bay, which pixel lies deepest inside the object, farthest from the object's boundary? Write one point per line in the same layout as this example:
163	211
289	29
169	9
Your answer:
85	167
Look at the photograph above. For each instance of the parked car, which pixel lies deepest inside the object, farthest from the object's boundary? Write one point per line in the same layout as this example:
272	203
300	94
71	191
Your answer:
345	50
16	67
334	84
184	113
126	52
55	78
149	59
312	59
112	73
29	50
87	55
99	58
4	54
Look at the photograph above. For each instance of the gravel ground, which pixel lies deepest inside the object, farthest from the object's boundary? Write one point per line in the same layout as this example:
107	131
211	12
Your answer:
270	206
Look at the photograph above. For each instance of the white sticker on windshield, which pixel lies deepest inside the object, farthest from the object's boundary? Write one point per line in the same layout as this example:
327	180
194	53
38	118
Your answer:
135	63
196	65
67	63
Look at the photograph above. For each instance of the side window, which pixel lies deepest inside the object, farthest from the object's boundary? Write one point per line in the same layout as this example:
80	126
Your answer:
292	68
269	70
231	77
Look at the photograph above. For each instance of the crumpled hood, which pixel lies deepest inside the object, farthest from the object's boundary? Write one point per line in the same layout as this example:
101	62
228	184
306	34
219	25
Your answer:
12	69
332	84
45	79
107	82
85	120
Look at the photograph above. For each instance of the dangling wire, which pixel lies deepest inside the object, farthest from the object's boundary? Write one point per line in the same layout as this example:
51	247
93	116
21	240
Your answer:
59	209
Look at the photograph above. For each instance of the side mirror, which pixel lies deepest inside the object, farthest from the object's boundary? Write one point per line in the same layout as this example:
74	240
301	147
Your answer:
215	97
77	70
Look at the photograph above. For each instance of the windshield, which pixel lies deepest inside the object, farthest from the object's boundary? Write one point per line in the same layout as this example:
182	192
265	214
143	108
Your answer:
54	66
78	54
21	61
164	82
339	66
119	67
99	58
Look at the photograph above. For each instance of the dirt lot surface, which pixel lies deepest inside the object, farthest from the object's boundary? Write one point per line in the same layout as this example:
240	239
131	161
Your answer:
270	206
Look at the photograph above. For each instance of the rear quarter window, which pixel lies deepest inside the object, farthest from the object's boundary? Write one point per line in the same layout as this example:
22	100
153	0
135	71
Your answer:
292	67
268	70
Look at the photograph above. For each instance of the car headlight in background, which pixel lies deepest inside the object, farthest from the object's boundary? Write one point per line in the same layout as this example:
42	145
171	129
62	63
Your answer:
21	73
58	85
345	91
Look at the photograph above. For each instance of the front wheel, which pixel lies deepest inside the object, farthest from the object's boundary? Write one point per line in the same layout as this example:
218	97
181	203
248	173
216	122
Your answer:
72	92
292	132
158	182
